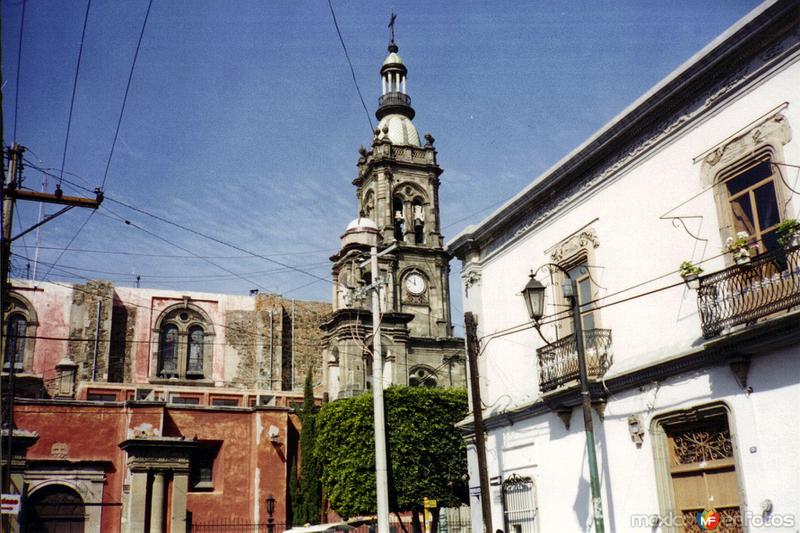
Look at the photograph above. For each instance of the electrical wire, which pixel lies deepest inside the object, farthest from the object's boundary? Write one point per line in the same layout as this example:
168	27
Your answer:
75	236
167	241
148	308
19	68
152	341
156	277
352	70
203	235
74	88
177	256
127	88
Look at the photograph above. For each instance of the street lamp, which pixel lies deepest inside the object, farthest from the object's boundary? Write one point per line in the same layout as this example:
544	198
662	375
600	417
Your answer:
534	298
533	293
270	511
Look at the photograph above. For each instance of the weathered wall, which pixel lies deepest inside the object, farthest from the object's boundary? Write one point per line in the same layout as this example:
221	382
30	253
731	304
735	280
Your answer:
249	337
83	328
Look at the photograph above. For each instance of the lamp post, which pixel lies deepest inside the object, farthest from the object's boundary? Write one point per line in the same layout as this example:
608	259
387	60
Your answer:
533	293
270	511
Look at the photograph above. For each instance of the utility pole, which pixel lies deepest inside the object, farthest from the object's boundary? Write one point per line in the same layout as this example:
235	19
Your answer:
586	405
471	326
381	469
11	192
379	422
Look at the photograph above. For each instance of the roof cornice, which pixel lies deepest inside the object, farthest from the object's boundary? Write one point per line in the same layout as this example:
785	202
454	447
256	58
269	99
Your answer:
701	80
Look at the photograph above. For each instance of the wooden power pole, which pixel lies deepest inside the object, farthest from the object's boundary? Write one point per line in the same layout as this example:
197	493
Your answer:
11	192
471	325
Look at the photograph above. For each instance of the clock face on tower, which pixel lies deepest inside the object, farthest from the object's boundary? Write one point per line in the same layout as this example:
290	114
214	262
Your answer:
415	284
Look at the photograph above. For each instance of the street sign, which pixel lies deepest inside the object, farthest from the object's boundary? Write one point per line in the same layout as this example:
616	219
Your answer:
10	503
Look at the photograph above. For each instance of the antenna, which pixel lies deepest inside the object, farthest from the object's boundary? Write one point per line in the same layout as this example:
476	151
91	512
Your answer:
45	183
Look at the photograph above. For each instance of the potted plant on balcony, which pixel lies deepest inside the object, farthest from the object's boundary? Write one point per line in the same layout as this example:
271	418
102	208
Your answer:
690	274
738	247
789	233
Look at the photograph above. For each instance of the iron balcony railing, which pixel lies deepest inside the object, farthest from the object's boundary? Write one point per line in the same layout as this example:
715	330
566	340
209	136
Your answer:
558	362
394	99
742	294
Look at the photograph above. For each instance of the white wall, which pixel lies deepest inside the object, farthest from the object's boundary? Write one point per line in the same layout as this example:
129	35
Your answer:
765	439
636	247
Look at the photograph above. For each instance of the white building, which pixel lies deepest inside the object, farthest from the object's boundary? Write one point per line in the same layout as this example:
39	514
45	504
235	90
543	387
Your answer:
694	390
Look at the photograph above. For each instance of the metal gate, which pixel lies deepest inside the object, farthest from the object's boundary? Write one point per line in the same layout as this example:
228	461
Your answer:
520	511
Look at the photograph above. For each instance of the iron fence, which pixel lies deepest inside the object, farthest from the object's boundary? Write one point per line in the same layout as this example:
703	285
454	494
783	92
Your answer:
558	362
237	525
450	521
742	294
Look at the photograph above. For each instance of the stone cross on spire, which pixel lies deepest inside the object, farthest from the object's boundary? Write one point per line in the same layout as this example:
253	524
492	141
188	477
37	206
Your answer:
392	20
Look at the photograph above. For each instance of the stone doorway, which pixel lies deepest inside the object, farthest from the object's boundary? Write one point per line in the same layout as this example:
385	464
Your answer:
55	509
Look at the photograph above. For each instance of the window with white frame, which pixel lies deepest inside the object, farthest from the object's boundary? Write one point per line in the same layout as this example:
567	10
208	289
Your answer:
753	202
520	511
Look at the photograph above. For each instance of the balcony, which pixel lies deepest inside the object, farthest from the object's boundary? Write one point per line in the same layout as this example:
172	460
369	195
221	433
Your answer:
394	102
394	99
558	362
743	294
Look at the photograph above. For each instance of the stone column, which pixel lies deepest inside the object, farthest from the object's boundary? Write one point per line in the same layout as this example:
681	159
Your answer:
157	504
160	455
177	517
137	502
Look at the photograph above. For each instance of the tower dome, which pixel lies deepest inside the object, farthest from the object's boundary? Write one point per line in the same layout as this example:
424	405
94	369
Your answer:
394	100
360	231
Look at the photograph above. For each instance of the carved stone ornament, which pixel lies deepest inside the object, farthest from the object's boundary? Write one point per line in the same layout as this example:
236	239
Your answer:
59	450
773	130
470	278
143	430
584	240
420	299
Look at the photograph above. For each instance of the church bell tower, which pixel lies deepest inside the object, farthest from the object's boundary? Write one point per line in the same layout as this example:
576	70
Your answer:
397	191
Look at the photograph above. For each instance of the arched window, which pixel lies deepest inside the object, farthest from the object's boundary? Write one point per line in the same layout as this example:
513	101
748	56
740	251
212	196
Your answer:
422	376
398	210
184	343
168	351
419	221
19	333
16	328
195	352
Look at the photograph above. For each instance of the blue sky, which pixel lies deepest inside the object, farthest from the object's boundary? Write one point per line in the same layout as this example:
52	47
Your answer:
243	123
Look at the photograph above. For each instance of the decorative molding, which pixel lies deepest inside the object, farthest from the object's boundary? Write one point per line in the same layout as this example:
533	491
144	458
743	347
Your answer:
584	240
774	130
535	215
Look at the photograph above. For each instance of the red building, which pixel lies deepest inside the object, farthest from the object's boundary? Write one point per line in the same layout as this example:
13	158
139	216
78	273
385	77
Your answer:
140	410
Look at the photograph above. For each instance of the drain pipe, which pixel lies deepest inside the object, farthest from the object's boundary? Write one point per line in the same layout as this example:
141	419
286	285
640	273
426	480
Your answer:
96	342
292	387
271	355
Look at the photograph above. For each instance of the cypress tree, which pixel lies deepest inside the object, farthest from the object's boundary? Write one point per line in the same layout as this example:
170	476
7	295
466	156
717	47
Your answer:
310	496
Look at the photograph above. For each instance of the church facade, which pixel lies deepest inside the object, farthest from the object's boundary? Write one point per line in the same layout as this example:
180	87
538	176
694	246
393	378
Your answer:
140	409
397	191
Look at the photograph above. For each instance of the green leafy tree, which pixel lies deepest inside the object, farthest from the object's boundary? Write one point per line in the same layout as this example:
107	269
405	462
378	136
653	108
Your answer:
294	497
309	506
427	456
